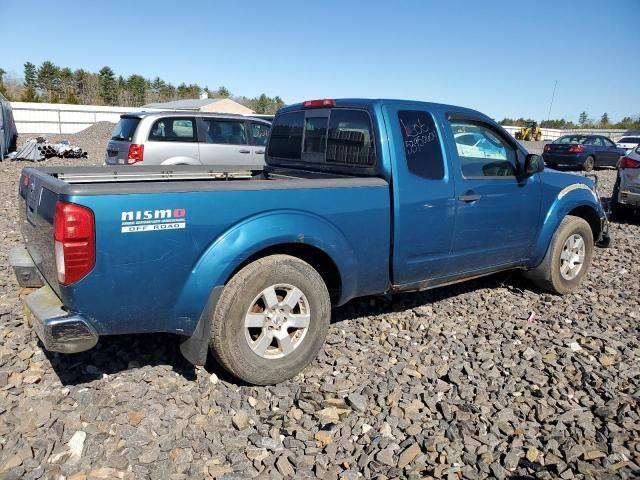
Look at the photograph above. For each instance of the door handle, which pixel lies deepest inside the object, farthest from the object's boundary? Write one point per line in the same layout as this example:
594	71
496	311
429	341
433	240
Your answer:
259	152
244	151
469	197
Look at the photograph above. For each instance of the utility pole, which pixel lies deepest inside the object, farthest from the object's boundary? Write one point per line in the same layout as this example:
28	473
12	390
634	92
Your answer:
552	97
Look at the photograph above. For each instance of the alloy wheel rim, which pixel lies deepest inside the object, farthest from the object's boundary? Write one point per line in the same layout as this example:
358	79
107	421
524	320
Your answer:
572	257
277	321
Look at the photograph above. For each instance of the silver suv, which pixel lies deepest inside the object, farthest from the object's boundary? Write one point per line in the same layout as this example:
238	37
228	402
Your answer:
187	138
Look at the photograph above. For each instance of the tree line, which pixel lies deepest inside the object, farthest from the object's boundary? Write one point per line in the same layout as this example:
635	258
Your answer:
584	121
54	84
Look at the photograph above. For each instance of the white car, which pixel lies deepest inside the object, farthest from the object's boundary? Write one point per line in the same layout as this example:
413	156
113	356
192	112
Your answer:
628	143
626	191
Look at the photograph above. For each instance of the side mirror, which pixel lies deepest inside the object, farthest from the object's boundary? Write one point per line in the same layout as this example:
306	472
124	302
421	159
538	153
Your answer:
533	164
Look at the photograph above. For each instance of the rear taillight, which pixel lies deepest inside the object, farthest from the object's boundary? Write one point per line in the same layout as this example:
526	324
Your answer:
626	162
136	153
75	244
576	149
547	148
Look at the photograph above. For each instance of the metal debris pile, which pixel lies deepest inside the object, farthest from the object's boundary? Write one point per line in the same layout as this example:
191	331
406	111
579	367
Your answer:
39	149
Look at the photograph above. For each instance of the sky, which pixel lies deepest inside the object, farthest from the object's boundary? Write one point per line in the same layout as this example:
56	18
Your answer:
500	57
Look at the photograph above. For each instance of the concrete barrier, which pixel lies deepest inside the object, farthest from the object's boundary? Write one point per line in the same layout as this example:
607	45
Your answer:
551	134
64	118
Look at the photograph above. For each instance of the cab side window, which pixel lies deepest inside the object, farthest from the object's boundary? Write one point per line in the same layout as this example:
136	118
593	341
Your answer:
482	152
421	144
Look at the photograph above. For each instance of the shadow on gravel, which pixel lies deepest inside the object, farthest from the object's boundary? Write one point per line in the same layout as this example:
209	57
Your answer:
118	353
383	304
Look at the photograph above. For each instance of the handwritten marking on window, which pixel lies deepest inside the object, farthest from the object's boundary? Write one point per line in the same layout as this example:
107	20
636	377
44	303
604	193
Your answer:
417	136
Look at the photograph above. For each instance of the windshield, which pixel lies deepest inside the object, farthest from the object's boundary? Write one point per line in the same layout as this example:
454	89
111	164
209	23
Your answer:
629	140
125	129
572	139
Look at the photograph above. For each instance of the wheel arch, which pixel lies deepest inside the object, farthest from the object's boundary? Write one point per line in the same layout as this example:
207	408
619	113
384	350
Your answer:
301	234
590	215
575	199
310	254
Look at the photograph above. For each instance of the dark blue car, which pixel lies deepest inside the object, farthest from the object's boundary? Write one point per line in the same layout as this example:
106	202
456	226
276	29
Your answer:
586	151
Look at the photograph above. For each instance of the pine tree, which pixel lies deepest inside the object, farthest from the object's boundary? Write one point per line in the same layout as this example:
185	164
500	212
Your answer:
108	86
262	104
582	119
223	92
47	79
604	120
29	94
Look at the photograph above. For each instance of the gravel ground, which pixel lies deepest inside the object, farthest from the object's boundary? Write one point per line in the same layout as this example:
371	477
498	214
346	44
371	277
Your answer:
452	383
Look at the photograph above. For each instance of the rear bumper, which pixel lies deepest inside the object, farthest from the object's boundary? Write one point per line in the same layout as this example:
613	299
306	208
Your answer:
629	198
59	330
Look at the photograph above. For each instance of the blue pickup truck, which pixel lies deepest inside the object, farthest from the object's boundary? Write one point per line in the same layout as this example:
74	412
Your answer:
359	197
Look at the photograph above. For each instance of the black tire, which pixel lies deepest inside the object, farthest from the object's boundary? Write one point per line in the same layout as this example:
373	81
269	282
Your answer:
13	146
228	341
617	209
589	164
547	275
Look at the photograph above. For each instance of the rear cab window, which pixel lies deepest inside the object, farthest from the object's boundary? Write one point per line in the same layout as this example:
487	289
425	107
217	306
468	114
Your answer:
125	129
342	137
174	129
629	140
286	136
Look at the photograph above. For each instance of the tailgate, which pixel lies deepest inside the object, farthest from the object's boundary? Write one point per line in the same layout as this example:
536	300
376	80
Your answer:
37	207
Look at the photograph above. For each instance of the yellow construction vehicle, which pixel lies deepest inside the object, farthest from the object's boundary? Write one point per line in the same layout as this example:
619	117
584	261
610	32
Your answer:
529	132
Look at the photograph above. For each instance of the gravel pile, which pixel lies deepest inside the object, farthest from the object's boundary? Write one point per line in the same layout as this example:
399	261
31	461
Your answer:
457	383
93	140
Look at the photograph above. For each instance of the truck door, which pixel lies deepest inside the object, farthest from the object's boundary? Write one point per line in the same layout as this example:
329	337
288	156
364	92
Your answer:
497	214
423	195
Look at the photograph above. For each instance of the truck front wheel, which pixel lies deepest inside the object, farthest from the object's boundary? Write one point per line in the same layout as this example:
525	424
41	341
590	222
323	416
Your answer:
568	257
271	320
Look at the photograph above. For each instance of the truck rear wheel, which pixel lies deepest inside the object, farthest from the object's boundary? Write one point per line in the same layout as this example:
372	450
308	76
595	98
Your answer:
568	257
271	320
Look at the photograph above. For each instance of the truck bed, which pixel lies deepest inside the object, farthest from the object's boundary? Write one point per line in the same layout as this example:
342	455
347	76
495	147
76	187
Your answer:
143	279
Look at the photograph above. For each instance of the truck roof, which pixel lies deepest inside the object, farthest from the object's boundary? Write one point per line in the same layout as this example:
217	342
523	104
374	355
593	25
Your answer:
371	102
